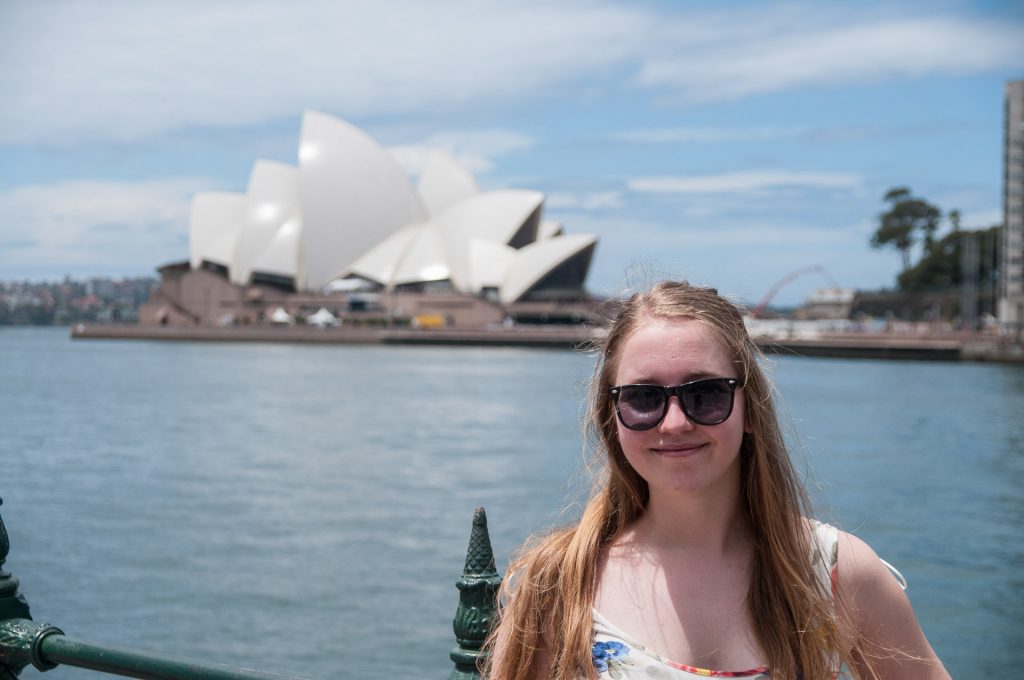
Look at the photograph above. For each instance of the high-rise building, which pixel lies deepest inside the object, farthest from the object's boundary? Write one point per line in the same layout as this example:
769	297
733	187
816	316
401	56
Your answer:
1011	288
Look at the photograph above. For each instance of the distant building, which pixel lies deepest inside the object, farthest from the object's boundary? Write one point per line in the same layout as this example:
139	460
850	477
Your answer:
346	230
69	301
1011	288
827	303
100	287
928	305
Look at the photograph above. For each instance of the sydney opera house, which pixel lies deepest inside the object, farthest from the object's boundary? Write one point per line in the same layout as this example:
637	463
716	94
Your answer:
347	235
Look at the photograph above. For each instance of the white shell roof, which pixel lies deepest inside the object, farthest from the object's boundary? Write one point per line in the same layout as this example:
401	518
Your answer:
353	195
381	261
444	183
489	263
493	216
281	256
414	254
213	227
549	229
424	259
349	209
536	260
271	200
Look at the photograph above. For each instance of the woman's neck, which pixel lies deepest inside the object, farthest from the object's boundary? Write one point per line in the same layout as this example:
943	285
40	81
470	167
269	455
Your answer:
708	523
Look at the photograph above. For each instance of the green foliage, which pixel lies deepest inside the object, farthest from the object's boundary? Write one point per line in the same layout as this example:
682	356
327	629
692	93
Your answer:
896	194
26	315
939	266
954	219
908	221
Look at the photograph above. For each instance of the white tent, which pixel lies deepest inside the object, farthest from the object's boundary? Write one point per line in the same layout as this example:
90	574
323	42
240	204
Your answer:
281	316
322	319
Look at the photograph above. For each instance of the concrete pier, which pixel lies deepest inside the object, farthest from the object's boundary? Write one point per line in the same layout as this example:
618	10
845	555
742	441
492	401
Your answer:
521	336
958	347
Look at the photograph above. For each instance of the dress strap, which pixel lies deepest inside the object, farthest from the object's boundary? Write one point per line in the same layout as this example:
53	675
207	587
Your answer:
825	553
900	578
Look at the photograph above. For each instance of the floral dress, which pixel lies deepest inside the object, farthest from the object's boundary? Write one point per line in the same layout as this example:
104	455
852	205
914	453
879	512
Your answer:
619	657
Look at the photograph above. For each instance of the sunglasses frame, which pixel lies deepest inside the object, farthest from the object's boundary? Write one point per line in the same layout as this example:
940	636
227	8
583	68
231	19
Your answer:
676	391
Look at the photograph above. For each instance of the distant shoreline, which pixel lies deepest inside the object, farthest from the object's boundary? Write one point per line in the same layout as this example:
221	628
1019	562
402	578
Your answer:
519	336
833	345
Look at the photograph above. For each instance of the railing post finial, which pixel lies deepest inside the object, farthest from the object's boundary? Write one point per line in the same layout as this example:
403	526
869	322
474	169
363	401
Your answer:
478	589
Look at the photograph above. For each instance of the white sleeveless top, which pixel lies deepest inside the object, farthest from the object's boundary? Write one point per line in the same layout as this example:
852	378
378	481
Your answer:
619	657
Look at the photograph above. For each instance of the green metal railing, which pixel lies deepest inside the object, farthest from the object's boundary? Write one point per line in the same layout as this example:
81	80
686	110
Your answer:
24	642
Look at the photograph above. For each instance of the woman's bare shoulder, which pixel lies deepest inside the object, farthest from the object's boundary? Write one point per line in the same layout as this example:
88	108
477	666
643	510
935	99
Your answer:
882	615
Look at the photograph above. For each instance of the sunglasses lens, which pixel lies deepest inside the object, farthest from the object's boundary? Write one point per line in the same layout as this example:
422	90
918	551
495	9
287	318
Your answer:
641	407
707	402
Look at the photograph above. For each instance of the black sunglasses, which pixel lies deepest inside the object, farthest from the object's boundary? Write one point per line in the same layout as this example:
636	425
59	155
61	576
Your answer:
705	402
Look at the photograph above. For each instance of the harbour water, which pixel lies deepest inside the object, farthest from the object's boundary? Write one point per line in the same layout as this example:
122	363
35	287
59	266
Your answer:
305	509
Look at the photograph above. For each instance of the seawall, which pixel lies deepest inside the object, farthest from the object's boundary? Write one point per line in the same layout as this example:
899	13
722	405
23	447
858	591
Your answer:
554	337
837	345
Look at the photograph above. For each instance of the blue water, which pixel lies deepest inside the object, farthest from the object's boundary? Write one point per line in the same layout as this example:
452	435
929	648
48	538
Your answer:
306	509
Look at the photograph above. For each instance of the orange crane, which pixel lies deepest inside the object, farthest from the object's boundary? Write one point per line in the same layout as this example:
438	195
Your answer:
759	309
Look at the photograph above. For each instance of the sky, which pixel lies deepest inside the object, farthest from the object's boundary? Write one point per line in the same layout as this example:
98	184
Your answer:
730	144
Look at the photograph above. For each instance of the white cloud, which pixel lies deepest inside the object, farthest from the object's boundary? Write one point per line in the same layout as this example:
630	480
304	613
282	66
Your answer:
87	70
588	201
766	53
742	182
707	135
91	226
120	69
475	150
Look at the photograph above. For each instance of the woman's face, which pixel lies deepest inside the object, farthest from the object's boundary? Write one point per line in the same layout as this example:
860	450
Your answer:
678	455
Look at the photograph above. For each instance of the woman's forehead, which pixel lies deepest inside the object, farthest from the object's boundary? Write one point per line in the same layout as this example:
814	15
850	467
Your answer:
672	349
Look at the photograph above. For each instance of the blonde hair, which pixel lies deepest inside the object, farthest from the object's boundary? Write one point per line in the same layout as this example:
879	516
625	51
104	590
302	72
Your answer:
548	620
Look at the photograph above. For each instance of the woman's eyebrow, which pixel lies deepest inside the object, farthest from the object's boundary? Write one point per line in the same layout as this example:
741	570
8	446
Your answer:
688	377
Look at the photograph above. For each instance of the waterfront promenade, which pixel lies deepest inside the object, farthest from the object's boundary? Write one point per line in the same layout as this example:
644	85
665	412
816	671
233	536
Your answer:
777	339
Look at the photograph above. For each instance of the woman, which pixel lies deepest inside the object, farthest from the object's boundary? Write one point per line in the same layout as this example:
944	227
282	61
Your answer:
694	556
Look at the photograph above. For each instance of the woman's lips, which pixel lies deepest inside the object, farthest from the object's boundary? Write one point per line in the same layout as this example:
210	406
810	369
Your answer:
678	449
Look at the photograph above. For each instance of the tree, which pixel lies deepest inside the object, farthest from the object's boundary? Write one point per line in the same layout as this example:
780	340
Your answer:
940	268
907	220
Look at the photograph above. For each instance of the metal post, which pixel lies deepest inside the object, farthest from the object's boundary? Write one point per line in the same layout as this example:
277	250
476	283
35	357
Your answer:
12	603
478	589
969	282
19	635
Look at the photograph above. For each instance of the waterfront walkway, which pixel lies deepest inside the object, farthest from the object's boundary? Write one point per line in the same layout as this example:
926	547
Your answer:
866	345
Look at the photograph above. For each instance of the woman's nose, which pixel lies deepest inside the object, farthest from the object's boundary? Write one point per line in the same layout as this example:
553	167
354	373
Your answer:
675	419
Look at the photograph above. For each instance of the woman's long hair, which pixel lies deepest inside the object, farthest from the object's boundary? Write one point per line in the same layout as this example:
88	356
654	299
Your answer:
550	590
